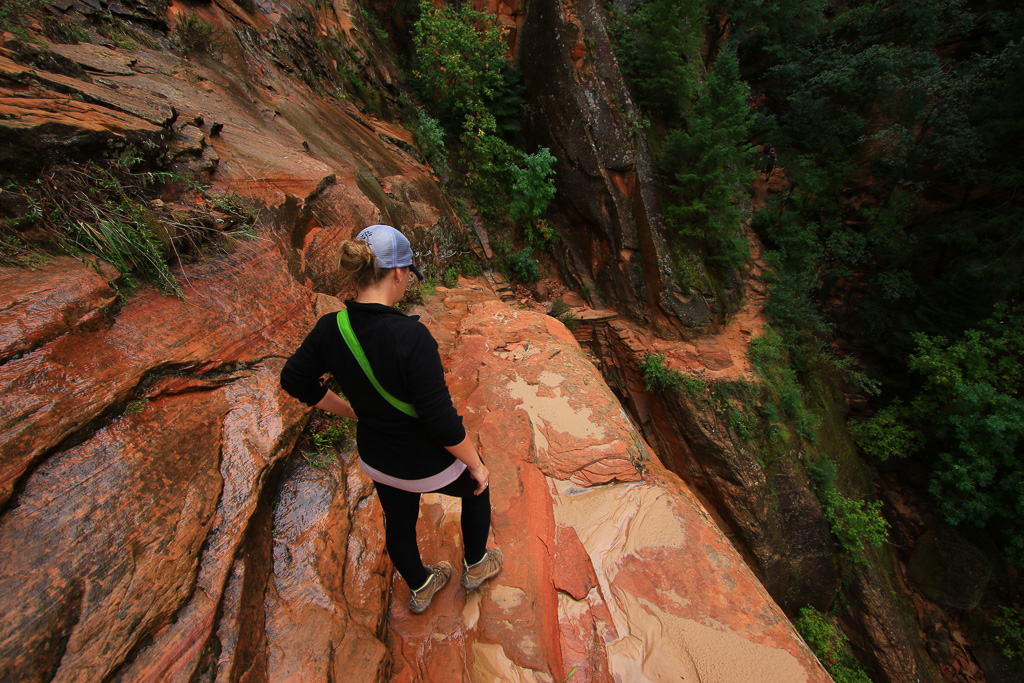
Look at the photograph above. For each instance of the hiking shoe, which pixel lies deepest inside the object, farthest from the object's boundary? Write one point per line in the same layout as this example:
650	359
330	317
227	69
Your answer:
420	599
474	575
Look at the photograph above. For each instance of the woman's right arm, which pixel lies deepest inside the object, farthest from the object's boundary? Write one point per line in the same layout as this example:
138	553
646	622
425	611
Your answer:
301	374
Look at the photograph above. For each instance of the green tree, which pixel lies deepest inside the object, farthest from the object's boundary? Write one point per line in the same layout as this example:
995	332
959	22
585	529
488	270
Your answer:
533	188
969	413
709	162
660	45
460	56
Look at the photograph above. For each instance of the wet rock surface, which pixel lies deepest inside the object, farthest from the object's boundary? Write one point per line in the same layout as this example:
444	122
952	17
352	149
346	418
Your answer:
178	538
613	569
156	522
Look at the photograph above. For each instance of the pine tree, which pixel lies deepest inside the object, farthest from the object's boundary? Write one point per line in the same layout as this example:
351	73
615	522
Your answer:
709	162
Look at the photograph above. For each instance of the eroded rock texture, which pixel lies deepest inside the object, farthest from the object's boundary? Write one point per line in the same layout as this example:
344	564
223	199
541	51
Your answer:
612	566
581	109
156	523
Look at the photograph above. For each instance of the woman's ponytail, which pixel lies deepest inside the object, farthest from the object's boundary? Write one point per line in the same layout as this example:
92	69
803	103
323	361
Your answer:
358	265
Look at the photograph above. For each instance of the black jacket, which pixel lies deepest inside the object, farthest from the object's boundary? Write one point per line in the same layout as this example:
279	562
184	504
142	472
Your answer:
404	358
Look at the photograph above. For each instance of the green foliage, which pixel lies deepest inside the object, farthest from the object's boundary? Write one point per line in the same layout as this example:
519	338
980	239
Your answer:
781	387
195	35
107	208
659	44
126	36
451	277
15	15
459	59
461	71
328	440
972	409
488	159
564	313
517	265
887	435
823	472
64	29
429	137
858	524
136	407
122	236
657	375
1007	632
533	188
709	162
831	646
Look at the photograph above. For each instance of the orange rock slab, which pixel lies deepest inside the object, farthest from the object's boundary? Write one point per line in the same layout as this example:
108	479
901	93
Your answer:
613	569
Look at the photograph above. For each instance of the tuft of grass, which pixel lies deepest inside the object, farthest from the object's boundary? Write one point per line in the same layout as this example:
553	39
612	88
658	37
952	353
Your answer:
15	16
64	30
136	407
562	312
195	35
328	440
110	209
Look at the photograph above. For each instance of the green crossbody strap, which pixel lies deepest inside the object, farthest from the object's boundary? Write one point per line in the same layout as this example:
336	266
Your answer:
345	327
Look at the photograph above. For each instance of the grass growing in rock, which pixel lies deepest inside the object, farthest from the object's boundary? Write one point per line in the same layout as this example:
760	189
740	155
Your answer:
111	209
563	312
327	436
195	35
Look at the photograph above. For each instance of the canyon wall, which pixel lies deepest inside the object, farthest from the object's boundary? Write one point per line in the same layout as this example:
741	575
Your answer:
158	522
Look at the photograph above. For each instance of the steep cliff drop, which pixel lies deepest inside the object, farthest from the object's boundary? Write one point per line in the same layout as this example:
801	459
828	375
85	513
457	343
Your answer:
156	523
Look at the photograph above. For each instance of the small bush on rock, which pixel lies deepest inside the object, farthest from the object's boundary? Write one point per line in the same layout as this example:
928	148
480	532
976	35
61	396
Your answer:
830	646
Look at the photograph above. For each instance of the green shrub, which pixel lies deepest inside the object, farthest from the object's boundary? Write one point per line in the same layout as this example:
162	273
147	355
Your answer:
533	188
195	35
657	375
1007	632
517	265
858	524
886	435
694	387
970	413
823	472
771	361
328	440
488	161
564	313
430	138
831	646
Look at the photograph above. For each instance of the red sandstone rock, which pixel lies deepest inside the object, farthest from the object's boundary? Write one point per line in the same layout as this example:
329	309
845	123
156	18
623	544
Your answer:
619	573
171	541
41	305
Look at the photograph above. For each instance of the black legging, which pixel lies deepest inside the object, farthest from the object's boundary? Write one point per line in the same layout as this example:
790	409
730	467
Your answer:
402	509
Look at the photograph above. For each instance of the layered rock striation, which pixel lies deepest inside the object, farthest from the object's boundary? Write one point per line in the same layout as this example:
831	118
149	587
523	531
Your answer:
157	522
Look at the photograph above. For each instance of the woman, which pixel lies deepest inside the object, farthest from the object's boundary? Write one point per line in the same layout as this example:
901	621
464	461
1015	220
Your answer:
410	438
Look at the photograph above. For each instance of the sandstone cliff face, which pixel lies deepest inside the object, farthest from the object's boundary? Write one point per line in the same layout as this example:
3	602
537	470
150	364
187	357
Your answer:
156	522
181	540
581	109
